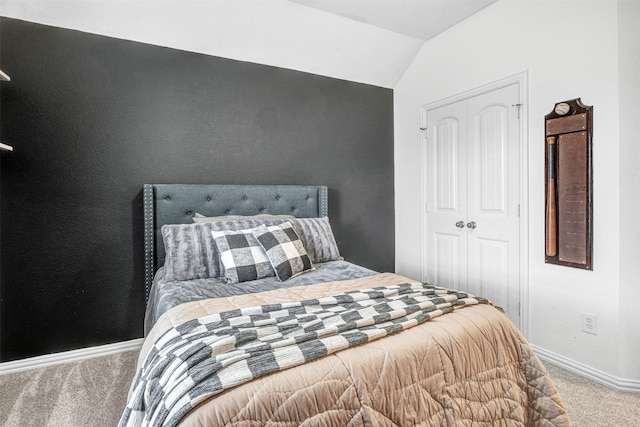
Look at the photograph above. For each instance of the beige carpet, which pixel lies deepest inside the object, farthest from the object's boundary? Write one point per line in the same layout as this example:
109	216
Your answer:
591	404
92	393
89	393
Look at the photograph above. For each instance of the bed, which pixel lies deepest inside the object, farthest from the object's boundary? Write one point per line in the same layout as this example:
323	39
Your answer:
303	337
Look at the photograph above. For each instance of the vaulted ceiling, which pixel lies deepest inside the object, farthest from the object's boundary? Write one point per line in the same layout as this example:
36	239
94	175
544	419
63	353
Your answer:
420	19
368	41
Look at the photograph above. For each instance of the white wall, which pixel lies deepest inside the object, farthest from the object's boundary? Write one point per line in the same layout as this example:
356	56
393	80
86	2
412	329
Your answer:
629	39
570	50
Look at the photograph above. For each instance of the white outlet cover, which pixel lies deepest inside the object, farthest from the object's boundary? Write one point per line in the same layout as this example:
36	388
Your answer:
590	323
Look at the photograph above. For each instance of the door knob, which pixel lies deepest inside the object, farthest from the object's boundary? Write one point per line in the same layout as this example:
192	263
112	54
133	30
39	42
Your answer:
471	225
460	224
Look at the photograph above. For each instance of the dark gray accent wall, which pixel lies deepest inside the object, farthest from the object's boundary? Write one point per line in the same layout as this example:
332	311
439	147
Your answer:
93	118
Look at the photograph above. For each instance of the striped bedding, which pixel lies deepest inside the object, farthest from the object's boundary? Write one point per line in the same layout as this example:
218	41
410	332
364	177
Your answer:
329	354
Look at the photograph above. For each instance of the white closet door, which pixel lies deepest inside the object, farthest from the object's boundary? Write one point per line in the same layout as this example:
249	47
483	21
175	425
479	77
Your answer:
494	195
473	192
447	196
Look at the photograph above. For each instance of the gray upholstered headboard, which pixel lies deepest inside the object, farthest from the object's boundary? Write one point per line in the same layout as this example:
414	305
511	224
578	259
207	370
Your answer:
178	203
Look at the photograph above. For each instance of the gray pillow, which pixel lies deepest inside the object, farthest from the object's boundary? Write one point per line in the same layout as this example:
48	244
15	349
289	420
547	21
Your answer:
191	252
185	253
317	238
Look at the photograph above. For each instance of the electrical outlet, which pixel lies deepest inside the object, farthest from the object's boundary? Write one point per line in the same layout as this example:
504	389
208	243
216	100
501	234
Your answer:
590	323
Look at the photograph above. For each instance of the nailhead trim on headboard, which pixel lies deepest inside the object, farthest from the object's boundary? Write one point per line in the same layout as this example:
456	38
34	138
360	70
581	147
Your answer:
323	209
149	270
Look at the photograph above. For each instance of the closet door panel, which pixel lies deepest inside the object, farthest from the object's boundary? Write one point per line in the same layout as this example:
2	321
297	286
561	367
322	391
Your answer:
446	196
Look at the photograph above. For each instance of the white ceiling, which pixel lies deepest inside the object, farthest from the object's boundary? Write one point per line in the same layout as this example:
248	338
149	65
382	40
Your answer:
421	19
367	41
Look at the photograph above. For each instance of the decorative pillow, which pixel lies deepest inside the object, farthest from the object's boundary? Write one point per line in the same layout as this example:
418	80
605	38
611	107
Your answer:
191	252
186	253
284	249
242	257
317	237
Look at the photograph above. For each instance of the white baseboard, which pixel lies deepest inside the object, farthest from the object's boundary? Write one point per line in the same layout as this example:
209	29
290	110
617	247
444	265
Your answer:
620	384
69	356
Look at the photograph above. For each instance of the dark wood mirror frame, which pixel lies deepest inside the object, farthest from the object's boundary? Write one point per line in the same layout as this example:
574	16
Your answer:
569	185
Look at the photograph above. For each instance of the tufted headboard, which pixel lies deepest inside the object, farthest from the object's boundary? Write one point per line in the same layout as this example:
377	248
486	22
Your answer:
178	203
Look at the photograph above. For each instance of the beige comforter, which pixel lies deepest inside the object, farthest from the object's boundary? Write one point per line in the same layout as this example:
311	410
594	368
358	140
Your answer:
469	367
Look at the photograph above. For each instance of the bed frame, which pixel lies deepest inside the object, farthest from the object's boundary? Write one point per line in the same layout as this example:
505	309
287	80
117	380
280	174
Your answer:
178	203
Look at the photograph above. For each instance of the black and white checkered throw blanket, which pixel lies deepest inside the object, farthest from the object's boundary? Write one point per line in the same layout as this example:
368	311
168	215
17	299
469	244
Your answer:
202	357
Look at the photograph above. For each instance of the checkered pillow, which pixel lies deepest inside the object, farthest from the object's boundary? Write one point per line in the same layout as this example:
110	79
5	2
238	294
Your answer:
284	249
242	256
